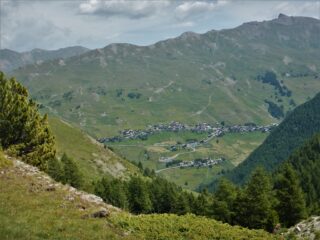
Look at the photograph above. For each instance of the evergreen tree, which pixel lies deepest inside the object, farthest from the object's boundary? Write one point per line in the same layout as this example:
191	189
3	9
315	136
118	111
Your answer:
255	204
71	172
113	192
203	204
182	205
224	200
22	130
291	207
55	169
139	197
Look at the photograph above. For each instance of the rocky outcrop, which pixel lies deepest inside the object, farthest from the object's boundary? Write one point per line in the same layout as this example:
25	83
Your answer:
42	182
307	229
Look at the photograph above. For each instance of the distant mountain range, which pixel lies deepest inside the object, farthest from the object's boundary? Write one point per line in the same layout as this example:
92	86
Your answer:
256	72
10	60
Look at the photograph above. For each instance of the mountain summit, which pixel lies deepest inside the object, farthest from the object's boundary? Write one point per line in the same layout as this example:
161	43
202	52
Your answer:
253	73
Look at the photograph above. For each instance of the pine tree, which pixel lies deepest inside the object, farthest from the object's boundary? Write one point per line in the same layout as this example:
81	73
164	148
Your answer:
224	199
22	130
203	204
55	169
291	207
113	192
139	198
255	204
182	205
71	172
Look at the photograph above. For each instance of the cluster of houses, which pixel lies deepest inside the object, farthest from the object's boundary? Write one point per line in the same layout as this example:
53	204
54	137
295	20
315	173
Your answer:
213	131
206	162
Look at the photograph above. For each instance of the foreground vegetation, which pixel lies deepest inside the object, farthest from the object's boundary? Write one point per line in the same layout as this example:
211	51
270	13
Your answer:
28	210
191	227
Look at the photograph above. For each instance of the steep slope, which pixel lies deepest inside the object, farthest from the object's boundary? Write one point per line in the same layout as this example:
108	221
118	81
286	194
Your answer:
306	162
49	210
10	60
295	129
253	73
93	159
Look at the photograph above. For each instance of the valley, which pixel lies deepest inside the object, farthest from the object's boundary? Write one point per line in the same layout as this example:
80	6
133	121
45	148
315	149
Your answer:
188	157
211	135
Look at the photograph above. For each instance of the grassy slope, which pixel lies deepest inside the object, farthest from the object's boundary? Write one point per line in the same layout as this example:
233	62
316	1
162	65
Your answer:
93	160
218	69
234	147
293	131
28	211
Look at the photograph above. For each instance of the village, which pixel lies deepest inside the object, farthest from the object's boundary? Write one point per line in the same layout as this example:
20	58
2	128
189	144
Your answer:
216	130
196	163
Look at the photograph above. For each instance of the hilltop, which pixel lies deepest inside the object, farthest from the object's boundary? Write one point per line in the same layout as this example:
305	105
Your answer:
10	60
256	72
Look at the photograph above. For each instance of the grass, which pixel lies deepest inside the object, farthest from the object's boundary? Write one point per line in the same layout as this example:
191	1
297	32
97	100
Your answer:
191	178
191	227
234	147
92	158
29	212
3	161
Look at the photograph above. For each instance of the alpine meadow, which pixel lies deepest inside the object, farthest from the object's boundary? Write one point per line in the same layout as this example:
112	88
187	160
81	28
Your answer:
160	119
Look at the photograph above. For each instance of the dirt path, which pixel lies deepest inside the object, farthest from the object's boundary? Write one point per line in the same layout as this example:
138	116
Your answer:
204	108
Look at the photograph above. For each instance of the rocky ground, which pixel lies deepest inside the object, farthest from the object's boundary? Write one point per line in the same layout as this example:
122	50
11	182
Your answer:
307	229
42	182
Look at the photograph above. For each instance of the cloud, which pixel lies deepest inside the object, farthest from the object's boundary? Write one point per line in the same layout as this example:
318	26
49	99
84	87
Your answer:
129	9
192	8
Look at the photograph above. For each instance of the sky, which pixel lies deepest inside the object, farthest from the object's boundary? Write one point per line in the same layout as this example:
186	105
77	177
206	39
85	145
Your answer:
53	24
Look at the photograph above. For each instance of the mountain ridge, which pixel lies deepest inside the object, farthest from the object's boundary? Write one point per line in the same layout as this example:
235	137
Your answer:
10	59
103	85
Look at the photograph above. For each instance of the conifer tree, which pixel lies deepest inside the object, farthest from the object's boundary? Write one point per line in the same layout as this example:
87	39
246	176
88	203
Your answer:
139	197
71	172
224	199
255	205
22	130
203	204
291	207
55	169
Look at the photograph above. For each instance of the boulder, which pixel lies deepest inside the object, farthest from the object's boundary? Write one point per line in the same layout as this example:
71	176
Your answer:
102	213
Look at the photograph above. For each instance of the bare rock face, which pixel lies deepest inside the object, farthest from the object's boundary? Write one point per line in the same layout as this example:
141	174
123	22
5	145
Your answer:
307	229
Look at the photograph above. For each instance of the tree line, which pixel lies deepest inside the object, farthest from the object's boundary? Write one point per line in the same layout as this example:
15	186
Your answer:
260	204
299	126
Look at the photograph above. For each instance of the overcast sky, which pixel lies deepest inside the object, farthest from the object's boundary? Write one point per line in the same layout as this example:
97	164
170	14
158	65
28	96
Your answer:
53	24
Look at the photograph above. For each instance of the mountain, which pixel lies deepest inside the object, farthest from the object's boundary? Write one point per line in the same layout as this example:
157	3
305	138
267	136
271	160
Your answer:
256	72
298	127
10	60
51	210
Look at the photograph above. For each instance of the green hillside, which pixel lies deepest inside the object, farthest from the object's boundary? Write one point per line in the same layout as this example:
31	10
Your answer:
295	129
253	73
46	212
93	159
306	162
